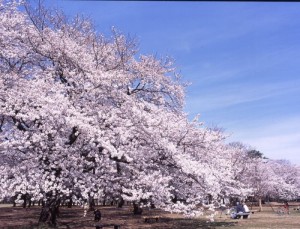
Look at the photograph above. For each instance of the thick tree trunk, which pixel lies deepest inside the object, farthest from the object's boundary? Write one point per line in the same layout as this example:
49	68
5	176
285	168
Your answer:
50	212
44	215
121	202
24	197
136	209
54	213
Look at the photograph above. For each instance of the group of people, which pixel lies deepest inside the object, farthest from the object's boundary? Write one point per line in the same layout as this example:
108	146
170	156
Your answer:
239	208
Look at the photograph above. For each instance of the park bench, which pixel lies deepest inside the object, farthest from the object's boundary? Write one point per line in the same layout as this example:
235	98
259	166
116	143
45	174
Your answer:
243	215
149	218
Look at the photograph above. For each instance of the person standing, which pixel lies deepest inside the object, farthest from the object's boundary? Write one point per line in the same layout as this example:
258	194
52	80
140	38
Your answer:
97	218
286	207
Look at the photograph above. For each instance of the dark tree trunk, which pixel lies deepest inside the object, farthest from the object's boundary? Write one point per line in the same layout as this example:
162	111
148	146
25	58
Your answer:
24	197
29	203
136	209
92	204
54	211
121	203
50	212
70	203
44	215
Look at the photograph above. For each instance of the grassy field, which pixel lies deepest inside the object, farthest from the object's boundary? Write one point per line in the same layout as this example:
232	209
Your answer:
19	218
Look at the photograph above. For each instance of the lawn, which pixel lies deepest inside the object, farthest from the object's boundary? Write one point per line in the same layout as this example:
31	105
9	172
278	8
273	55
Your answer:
19	218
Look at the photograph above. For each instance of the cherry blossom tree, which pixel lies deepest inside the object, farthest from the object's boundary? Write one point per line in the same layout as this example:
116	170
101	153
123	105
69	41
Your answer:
258	176
286	186
85	117
266	177
82	117
238	160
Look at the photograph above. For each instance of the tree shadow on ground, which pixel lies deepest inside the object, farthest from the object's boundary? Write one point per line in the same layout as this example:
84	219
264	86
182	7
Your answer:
72	218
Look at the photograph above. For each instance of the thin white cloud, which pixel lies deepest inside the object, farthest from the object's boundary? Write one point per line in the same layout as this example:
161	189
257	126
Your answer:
238	93
240	68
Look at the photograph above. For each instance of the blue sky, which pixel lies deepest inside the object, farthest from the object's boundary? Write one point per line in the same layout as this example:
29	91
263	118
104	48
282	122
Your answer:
241	58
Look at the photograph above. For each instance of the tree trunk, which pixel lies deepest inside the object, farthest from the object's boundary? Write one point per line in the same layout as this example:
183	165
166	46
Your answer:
50	211
54	213
24	197
121	202
70	203
136	209
152	206
260	205
92	204
44	215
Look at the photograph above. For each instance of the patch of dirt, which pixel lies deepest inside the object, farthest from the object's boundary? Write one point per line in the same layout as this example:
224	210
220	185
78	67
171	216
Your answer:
72	218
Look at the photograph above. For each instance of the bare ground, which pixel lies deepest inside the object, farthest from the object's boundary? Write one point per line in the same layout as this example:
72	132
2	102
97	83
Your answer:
19	218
